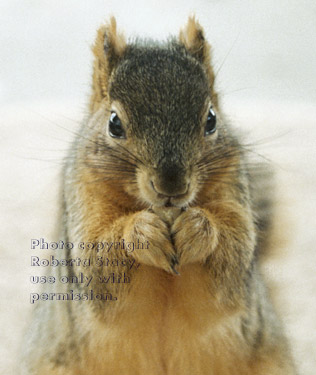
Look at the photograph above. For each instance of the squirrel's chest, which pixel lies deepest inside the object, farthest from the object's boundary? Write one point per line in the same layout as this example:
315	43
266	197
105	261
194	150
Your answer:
174	305
186	297
168	325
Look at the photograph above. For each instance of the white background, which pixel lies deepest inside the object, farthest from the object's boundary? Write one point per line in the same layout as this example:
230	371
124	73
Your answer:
264	53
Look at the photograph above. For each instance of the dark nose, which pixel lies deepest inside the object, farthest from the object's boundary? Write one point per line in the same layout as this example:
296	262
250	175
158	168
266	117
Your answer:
170	182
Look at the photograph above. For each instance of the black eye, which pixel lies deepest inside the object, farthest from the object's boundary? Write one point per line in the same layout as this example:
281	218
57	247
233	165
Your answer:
210	126
115	126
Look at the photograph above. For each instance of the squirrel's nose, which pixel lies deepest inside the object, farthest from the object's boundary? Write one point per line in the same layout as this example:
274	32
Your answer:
170	180
170	190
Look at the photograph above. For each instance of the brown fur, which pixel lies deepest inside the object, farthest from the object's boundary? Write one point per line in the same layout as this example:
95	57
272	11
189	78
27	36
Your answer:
193	39
196	304
102	66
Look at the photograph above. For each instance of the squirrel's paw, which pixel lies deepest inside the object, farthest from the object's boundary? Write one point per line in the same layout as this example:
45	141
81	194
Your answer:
194	236
147	226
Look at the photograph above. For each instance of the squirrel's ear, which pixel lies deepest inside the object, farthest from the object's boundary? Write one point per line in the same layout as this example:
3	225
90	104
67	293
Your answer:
108	48
193	39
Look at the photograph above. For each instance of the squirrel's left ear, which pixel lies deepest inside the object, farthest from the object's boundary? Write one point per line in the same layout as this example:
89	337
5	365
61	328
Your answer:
193	39
108	48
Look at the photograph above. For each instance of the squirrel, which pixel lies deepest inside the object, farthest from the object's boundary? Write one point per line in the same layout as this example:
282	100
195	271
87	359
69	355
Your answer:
156	163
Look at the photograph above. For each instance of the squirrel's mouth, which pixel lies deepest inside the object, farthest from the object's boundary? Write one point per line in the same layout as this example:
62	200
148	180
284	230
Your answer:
168	203
155	193
180	201
176	200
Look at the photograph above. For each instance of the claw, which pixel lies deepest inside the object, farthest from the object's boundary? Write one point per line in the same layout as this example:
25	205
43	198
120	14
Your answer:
174	263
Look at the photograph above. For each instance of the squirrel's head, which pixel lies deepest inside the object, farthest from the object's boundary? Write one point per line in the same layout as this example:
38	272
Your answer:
155	115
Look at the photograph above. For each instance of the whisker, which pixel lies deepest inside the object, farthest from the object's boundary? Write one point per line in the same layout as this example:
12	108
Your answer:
227	55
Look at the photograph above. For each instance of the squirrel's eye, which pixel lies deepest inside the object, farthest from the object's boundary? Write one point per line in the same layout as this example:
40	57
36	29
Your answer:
115	126
210	126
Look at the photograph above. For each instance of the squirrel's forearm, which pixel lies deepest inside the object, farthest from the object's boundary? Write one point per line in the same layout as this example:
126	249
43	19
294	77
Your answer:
142	227
222	237
230	262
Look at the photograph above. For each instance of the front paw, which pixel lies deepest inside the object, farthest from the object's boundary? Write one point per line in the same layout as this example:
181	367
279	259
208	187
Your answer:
147	226
194	236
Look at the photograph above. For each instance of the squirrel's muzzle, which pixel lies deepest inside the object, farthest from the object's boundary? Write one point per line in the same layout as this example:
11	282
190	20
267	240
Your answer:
170	181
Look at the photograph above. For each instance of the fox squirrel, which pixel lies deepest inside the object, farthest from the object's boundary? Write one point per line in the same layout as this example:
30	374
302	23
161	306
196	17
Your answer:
156	163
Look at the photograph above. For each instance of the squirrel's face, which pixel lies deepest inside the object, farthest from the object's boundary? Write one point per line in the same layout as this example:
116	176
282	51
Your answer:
161	112
159	116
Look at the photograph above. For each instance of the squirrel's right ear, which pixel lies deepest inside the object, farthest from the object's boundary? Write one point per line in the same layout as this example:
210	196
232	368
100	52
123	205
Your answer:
193	39
108	48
